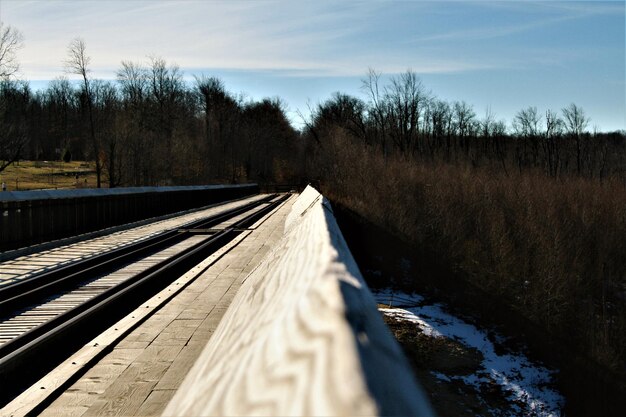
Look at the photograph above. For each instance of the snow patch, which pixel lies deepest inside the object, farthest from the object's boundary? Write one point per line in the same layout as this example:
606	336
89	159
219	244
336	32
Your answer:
523	380
441	376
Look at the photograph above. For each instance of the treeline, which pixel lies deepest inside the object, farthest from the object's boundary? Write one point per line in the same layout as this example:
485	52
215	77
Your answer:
403	118
533	215
149	127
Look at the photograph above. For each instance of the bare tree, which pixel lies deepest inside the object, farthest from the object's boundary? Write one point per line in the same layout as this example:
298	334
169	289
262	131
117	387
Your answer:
166	94
440	115
575	124
406	98
106	106
60	101
464	117
554	128
133	82
526	125
488	122
11	40
371	86
526	122
492	132
210	92
343	111
554	125
12	136
575	119
78	63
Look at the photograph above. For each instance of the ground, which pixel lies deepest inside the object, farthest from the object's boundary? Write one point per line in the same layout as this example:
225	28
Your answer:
37	175
430	357
467	371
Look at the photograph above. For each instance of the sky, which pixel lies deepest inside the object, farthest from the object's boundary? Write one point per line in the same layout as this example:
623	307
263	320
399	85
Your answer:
499	55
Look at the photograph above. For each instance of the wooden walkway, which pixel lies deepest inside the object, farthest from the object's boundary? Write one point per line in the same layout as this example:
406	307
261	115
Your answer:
138	374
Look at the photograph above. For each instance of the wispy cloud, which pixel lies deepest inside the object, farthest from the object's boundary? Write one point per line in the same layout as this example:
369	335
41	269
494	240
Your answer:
491	32
587	8
535	13
321	38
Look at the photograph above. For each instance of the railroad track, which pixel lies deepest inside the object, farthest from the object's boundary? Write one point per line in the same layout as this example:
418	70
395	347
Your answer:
47	316
23	263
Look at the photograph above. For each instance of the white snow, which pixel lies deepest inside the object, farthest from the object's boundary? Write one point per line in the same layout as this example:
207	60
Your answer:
441	376
517	375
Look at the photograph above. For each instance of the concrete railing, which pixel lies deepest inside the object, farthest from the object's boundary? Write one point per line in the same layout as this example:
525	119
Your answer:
29	217
302	336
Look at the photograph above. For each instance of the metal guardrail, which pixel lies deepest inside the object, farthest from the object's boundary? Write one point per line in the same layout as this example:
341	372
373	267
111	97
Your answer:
30	217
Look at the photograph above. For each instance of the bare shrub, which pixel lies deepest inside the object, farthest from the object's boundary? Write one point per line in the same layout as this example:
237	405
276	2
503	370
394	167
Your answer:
552	249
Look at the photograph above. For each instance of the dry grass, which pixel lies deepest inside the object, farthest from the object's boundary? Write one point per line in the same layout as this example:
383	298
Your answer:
553	250
37	175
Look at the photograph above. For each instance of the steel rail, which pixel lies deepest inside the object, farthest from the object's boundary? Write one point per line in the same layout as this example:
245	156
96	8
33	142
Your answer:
50	342
25	292
26	337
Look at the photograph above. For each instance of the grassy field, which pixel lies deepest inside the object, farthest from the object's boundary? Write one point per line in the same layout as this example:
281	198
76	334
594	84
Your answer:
39	175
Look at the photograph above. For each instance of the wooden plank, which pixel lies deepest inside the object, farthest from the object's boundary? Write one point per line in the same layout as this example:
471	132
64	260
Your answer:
132	344
140	371
67	411
160	353
122	356
155	403
177	332
302	336
180	367
194	314
121	399
96	381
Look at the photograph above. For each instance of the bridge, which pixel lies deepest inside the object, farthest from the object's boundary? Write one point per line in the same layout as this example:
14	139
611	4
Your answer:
251	305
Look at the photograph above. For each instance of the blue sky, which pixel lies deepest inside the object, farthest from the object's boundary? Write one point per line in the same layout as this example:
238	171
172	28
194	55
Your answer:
506	55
